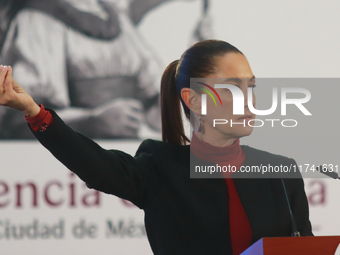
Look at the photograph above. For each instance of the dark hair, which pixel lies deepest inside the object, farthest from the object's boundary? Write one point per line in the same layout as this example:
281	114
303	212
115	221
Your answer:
196	62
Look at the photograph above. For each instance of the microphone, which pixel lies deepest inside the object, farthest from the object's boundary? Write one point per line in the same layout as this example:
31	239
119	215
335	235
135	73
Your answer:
327	172
292	219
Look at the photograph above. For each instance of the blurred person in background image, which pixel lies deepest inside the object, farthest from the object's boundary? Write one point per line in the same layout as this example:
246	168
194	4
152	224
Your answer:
85	59
183	215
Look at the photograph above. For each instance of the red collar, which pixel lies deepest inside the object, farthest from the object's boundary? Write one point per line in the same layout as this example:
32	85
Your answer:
232	154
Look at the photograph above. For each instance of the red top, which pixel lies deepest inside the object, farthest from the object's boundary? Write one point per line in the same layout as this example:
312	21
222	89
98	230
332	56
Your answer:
240	230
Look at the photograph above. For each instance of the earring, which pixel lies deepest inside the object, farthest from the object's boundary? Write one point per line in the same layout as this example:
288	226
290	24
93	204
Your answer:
200	128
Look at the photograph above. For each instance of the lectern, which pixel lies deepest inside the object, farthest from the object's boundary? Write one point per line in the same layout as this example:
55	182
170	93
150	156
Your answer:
311	245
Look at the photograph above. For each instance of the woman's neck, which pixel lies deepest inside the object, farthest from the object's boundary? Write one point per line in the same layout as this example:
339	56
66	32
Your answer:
218	140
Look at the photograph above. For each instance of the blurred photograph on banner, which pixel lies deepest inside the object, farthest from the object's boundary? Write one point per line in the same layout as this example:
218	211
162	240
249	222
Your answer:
88	61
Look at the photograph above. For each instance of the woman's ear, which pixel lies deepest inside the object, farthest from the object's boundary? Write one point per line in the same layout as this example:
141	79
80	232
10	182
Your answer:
192	100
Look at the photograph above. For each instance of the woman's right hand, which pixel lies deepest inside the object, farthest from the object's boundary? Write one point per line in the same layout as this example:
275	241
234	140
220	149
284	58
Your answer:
14	96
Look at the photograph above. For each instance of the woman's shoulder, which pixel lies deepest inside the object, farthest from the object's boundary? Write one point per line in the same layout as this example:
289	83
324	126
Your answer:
270	165
262	154
153	145
165	151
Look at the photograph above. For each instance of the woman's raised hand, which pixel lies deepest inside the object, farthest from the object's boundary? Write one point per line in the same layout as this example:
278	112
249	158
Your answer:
14	96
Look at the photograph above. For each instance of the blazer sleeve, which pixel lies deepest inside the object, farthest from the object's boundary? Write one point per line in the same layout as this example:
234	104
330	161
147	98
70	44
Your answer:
299	204
111	171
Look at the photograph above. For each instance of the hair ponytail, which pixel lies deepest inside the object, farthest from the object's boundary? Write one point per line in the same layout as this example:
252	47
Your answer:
172	123
196	62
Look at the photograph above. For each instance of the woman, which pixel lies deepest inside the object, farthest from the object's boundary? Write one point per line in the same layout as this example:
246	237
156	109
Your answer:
183	215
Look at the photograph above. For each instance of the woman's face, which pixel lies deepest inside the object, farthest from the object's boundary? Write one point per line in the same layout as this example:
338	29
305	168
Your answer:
235	70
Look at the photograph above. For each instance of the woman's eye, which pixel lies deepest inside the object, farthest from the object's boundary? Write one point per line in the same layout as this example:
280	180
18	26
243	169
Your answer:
253	86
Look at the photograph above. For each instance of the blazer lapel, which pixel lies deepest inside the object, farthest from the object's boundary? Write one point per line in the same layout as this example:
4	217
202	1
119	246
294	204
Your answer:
255	194
257	199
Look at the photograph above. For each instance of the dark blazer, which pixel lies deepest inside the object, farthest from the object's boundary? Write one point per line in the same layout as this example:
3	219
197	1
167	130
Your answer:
182	215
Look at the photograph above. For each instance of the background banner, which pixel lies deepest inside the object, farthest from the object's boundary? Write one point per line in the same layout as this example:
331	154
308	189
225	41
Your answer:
99	62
